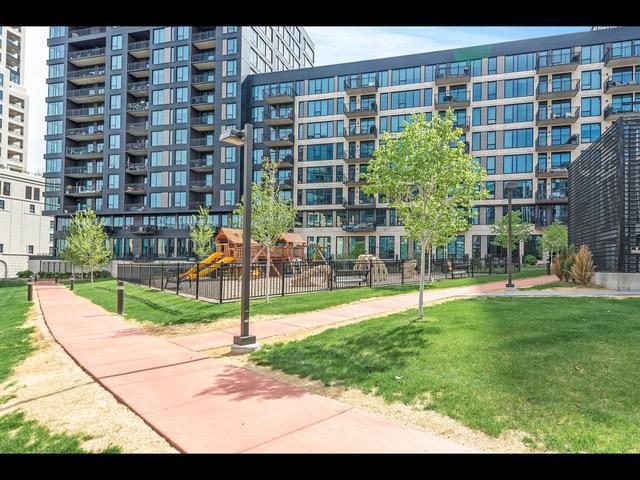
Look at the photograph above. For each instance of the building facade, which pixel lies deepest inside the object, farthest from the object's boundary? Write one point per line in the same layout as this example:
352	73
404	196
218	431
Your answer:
134	115
526	108
604	206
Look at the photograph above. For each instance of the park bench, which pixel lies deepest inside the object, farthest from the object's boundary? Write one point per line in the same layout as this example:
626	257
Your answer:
350	277
453	269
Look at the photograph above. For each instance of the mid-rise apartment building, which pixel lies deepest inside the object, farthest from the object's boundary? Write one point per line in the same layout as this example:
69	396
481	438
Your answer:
134	115
526	109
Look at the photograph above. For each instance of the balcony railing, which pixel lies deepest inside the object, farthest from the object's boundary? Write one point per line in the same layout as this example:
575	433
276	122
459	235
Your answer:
87	72
138	126
206	35
281	114
201	163
93	52
90	130
557	89
203	78
358	155
135	187
557	59
203	120
138	86
552	170
136	167
86	31
625	108
196	205
208	56
360	131
137	146
202	142
277	136
357	108
359	202
86	92
558	144
88	189
84	170
141	45
201	184
134	207
138	106
561	194
202	99
137	66
281	91
86	149
622	84
360	82
622	54
453	74
85	112
359	227
452	99
557	117
285	182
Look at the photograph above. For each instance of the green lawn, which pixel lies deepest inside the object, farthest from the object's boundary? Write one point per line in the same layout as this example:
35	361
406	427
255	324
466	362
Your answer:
17	433
547	286
165	308
564	370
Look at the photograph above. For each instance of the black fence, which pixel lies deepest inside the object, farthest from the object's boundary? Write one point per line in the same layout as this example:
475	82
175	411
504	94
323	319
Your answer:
223	282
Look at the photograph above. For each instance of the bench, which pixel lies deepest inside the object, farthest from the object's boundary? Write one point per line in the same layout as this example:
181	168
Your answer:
350	277
453	269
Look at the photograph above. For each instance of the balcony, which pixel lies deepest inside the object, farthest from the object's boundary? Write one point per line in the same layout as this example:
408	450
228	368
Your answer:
361	85
143	229
86	171
453	100
557	62
621	86
564	90
82	191
136	168
357	110
86	95
85	152
139	69
139	89
352	203
557	118
285	183
197	205
570	144
557	196
353	180
135	188
205	144
201	186
204	123
621	57
626	109
13	59
92	132
278	139
82	32
87	76
360	133
83	58
274	95
204	40
138	109
462	124
203	103
87	114
203	81
359	227
135	207
202	165
285	161
137	148
552	172
453	76
358	156
274	116
204	60
139	49
138	129
13	45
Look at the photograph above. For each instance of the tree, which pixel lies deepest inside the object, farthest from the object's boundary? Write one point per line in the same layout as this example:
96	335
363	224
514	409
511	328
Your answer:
554	238
201	232
86	242
271	217
582	269
566	257
520	231
429	179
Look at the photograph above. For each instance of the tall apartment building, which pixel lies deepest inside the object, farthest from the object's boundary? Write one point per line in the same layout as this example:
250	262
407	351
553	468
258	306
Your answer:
526	108
23	229
134	115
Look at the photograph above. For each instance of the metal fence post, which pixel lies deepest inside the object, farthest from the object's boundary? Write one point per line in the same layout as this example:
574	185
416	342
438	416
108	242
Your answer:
221	281
402	271
488	258
120	297
282	275
162	276
370	273
149	271
331	276
197	280
178	279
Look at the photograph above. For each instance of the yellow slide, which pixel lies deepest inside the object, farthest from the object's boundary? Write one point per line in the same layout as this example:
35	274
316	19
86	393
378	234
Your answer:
191	273
215	266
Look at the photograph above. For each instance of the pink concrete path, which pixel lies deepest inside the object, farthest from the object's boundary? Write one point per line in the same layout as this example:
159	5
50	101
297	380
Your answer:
202	404
355	311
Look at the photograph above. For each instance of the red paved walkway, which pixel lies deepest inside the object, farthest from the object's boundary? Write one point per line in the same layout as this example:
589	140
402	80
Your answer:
201	404
360	310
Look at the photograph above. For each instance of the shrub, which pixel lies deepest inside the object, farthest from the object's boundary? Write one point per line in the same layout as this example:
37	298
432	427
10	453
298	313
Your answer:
583	269
24	274
566	258
530	260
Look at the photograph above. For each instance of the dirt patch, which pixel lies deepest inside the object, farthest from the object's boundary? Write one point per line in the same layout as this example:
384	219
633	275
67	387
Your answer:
49	387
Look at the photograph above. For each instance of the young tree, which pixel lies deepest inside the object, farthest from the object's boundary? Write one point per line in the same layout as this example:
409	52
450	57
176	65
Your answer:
86	242
554	238
520	231
201	232
429	179
271	217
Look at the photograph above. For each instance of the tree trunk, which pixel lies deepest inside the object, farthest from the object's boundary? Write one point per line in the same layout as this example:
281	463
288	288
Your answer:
91	276
268	271
421	296
429	266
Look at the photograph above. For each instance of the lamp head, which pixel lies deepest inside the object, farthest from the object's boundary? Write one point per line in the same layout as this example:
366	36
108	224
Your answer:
510	185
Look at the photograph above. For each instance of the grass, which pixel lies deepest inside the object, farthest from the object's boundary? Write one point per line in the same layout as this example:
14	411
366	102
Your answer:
17	433
548	286
165	308
563	370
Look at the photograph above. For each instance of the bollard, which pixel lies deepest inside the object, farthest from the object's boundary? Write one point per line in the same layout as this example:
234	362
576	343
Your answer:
549	266
72	282
55	279
120	297
30	289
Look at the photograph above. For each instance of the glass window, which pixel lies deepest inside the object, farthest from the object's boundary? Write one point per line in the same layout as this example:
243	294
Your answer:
591	80
492	65
521	87
491	115
491	165
591	54
492	90
589	132
320	85
491	140
405	76
590	107
116	42
518	163
477	92
519	138
519	63
116	82
519	112
476	116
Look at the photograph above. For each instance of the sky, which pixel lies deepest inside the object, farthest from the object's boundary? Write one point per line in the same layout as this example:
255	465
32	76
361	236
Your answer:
332	45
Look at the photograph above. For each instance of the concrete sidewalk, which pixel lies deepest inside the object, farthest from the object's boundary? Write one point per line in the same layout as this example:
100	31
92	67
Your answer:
202	404
335	315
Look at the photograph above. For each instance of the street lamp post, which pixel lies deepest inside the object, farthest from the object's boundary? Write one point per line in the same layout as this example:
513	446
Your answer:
510	286
244	138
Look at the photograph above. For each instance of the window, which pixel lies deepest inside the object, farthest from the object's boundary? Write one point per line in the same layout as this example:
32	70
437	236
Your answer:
476	67
319	107
116	82
476	141
519	63
53	165
228	197
491	165
477	92
113	161
589	132
116	42
56	52
114	121
591	54
230	67
30	249
476	116
57	32
112	201
590	107
492	65
591	80
54	108
115	102
520	112
159	35
492	90
230	46
405	99
523	189
518	138
491	115
491	140
230	111
113	181
180	178
229	89
182	74
53	146
491	189
182	53
518	163
54	127
405	76
181	137
116	62
320	85
55	89
521	87
56	71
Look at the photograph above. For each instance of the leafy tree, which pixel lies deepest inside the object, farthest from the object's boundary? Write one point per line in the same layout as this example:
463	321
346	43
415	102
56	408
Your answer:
358	249
201	232
554	238
520	231
271	217
566	257
86	242
429	179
